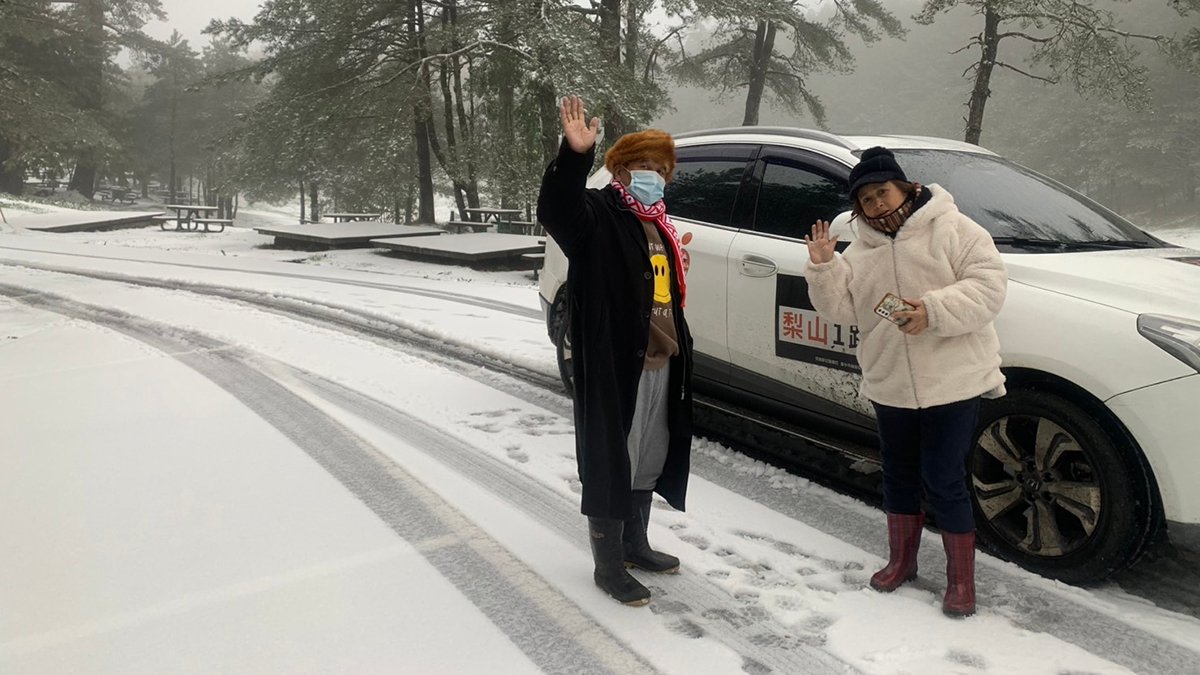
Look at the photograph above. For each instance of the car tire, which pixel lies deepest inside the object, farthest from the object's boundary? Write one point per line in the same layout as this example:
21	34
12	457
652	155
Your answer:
562	346
1055	491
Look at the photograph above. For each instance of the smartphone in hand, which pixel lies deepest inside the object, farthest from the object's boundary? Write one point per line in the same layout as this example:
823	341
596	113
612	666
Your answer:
889	305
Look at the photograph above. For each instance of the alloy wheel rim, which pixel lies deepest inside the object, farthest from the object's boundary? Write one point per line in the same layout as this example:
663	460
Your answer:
1035	484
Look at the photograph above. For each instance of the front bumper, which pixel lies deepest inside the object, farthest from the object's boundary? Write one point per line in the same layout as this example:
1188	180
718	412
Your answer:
1165	420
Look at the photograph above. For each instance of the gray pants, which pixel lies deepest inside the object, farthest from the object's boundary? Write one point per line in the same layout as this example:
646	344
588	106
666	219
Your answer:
649	435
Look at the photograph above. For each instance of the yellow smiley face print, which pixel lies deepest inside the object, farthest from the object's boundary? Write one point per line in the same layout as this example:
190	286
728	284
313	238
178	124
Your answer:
662	278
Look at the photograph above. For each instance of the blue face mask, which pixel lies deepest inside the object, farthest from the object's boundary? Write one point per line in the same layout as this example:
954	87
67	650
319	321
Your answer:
646	186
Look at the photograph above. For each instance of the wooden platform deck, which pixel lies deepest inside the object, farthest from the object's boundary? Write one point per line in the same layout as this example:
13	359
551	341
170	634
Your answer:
476	249
83	221
342	235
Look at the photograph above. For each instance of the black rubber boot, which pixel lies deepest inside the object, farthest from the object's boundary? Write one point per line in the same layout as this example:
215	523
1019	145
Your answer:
605	534
637	548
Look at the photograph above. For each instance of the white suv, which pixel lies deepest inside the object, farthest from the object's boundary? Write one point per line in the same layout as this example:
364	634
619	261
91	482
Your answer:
1095	449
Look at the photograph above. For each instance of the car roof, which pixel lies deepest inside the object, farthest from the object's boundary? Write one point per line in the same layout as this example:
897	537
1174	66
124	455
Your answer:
910	142
838	143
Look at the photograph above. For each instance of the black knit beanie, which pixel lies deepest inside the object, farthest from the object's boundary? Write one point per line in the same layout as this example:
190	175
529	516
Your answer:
877	165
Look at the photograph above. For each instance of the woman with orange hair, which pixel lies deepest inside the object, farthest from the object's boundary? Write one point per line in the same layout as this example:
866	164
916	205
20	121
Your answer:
630	346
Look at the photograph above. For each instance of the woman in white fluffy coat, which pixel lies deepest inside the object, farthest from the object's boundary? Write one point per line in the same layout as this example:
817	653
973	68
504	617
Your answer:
924	375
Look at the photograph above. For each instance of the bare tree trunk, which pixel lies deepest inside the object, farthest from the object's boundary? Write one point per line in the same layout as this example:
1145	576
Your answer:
616	122
91	91
467	126
174	184
454	166
633	22
314	197
302	220
551	124
12	179
983	74
506	83
423	117
760	59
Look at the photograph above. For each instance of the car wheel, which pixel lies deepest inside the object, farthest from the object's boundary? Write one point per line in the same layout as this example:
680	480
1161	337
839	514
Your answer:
562	344
1054	492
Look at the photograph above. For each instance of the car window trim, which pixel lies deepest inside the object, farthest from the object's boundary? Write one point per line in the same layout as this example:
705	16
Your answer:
816	162
721	150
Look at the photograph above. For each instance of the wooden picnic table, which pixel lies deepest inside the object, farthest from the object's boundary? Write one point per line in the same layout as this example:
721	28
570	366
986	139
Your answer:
505	220
186	214
115	195
353	217
486	213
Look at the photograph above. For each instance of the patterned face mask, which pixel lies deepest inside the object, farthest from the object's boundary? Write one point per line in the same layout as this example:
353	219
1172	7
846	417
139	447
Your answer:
889	223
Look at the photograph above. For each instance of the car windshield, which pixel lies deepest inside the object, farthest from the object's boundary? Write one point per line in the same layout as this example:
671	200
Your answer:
1019	207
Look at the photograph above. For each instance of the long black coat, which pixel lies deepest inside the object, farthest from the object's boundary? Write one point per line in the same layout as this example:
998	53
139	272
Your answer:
610	285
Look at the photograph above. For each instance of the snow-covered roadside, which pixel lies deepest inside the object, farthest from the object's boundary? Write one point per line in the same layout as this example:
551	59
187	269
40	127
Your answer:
152	524
798	577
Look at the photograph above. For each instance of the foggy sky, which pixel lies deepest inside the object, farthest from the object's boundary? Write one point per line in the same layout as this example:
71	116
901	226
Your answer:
190	17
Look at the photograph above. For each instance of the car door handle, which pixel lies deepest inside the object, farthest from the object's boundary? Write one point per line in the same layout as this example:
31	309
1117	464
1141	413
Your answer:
758	266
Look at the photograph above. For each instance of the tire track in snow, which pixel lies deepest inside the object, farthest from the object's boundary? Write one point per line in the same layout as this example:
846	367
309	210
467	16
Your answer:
1026	604
460	298
432	347
551	630
692	604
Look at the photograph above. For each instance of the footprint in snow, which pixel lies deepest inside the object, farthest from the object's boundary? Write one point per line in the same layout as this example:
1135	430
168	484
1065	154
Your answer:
966	659
781	641
747	597
495	413
726	615
516	454
687	629
752	667
669	607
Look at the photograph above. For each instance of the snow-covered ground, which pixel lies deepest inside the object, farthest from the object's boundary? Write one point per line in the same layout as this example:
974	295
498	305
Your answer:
197	478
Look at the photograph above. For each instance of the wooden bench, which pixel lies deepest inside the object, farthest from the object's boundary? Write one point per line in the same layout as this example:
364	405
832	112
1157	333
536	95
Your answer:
517	227
115	195
535	259
458	226
221	222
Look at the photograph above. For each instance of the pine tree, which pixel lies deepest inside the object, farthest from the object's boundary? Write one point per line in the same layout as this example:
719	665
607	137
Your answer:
771	47
1073	40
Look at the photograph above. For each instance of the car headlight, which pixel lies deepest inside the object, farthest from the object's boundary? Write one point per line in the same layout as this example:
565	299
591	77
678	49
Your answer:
1178	337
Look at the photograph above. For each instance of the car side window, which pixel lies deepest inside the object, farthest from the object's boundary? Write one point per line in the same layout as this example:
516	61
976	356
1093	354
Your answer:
706	182
793	196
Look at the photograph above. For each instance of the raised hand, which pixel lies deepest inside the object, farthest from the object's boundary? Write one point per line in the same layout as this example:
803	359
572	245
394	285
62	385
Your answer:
820	246
580	135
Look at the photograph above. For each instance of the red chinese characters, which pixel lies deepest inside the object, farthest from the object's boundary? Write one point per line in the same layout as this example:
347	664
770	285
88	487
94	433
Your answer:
792	326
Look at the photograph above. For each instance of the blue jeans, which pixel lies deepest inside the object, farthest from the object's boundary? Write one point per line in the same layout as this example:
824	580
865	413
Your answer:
927	448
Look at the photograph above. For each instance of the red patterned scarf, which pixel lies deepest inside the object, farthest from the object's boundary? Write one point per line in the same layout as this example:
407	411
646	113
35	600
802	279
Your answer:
657	213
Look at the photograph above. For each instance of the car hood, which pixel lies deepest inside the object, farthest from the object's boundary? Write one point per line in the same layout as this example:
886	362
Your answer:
1161	280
